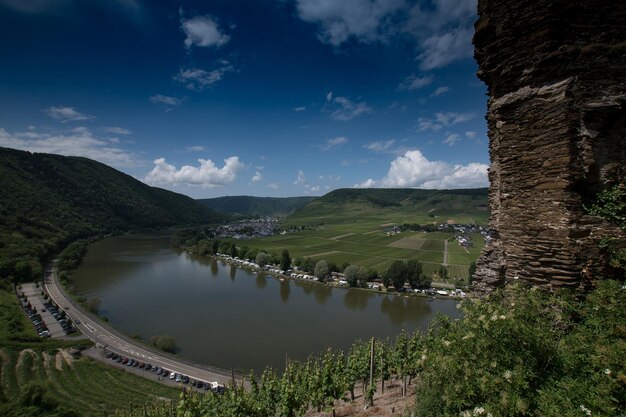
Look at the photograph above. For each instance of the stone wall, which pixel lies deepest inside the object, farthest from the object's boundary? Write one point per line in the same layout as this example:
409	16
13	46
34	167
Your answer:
556	76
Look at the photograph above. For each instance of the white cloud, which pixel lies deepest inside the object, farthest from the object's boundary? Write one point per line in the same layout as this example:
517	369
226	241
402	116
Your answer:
301	108
329	96
443	119
117	130
370	183
452	139
314	189
440	91
331	143
413	170
413	82
440	29
197	79
380	146
202	31
195	148
257	177
470	134
79	141
441	49
348	110
273	185
301	179
67	114
166	100
452	118
363	20
424	123
206	175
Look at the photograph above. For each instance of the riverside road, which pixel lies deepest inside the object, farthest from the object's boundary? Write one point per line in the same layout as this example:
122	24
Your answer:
110	339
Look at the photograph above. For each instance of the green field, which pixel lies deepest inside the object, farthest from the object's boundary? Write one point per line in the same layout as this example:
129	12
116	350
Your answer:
368	245
83	385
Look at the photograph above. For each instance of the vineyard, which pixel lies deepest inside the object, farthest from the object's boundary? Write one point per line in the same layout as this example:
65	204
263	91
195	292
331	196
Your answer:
82	385
317	384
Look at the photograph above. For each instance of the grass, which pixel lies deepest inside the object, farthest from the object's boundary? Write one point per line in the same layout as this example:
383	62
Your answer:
14	324
365	243
84	385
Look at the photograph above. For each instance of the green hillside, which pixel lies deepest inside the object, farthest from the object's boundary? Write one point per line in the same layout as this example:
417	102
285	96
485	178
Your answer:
256	206
47	201
351	226
394	206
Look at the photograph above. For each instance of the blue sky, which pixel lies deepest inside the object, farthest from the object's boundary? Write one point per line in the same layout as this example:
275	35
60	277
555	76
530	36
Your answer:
249	97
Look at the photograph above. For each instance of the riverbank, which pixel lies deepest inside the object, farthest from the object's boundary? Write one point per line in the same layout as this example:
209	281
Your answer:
437	290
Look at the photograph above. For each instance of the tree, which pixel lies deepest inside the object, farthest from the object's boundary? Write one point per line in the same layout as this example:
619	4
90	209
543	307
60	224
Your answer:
355	275
471	271
215	246
321	270
233	250
443	272
262	258
164	343
285	260
397	274
204	247
307	265
350	275
416	276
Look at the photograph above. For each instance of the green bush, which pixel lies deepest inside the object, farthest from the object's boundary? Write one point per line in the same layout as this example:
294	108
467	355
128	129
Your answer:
164	343
526	353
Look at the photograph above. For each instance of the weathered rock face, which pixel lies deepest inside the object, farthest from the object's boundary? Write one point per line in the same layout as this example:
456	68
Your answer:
556	74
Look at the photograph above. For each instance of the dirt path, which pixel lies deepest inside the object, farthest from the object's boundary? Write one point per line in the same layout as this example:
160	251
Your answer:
340	236
321	254
63	356
23	353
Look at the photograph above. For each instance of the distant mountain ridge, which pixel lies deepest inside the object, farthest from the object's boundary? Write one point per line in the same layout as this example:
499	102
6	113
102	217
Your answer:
389	197
47	201
256	206
345	203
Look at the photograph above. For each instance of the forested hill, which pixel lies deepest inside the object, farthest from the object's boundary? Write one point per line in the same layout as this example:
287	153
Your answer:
47	201
256	206
344	204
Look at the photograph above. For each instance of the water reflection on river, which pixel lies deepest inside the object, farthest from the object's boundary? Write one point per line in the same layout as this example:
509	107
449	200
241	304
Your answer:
230	317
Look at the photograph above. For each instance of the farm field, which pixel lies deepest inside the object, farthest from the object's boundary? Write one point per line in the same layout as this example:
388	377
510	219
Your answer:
370	246
83	385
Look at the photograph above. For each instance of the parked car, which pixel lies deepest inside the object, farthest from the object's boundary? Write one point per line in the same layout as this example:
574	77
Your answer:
179	377
172	376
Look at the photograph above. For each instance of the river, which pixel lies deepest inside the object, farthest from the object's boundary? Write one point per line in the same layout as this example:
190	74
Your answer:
228	317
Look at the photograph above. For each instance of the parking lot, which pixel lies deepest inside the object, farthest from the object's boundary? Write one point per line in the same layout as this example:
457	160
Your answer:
147	370
48	319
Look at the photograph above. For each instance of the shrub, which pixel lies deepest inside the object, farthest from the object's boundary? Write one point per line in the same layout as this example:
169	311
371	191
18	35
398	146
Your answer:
523	352
164	343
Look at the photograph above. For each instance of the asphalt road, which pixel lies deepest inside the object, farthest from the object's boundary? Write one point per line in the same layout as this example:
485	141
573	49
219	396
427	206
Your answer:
104	336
